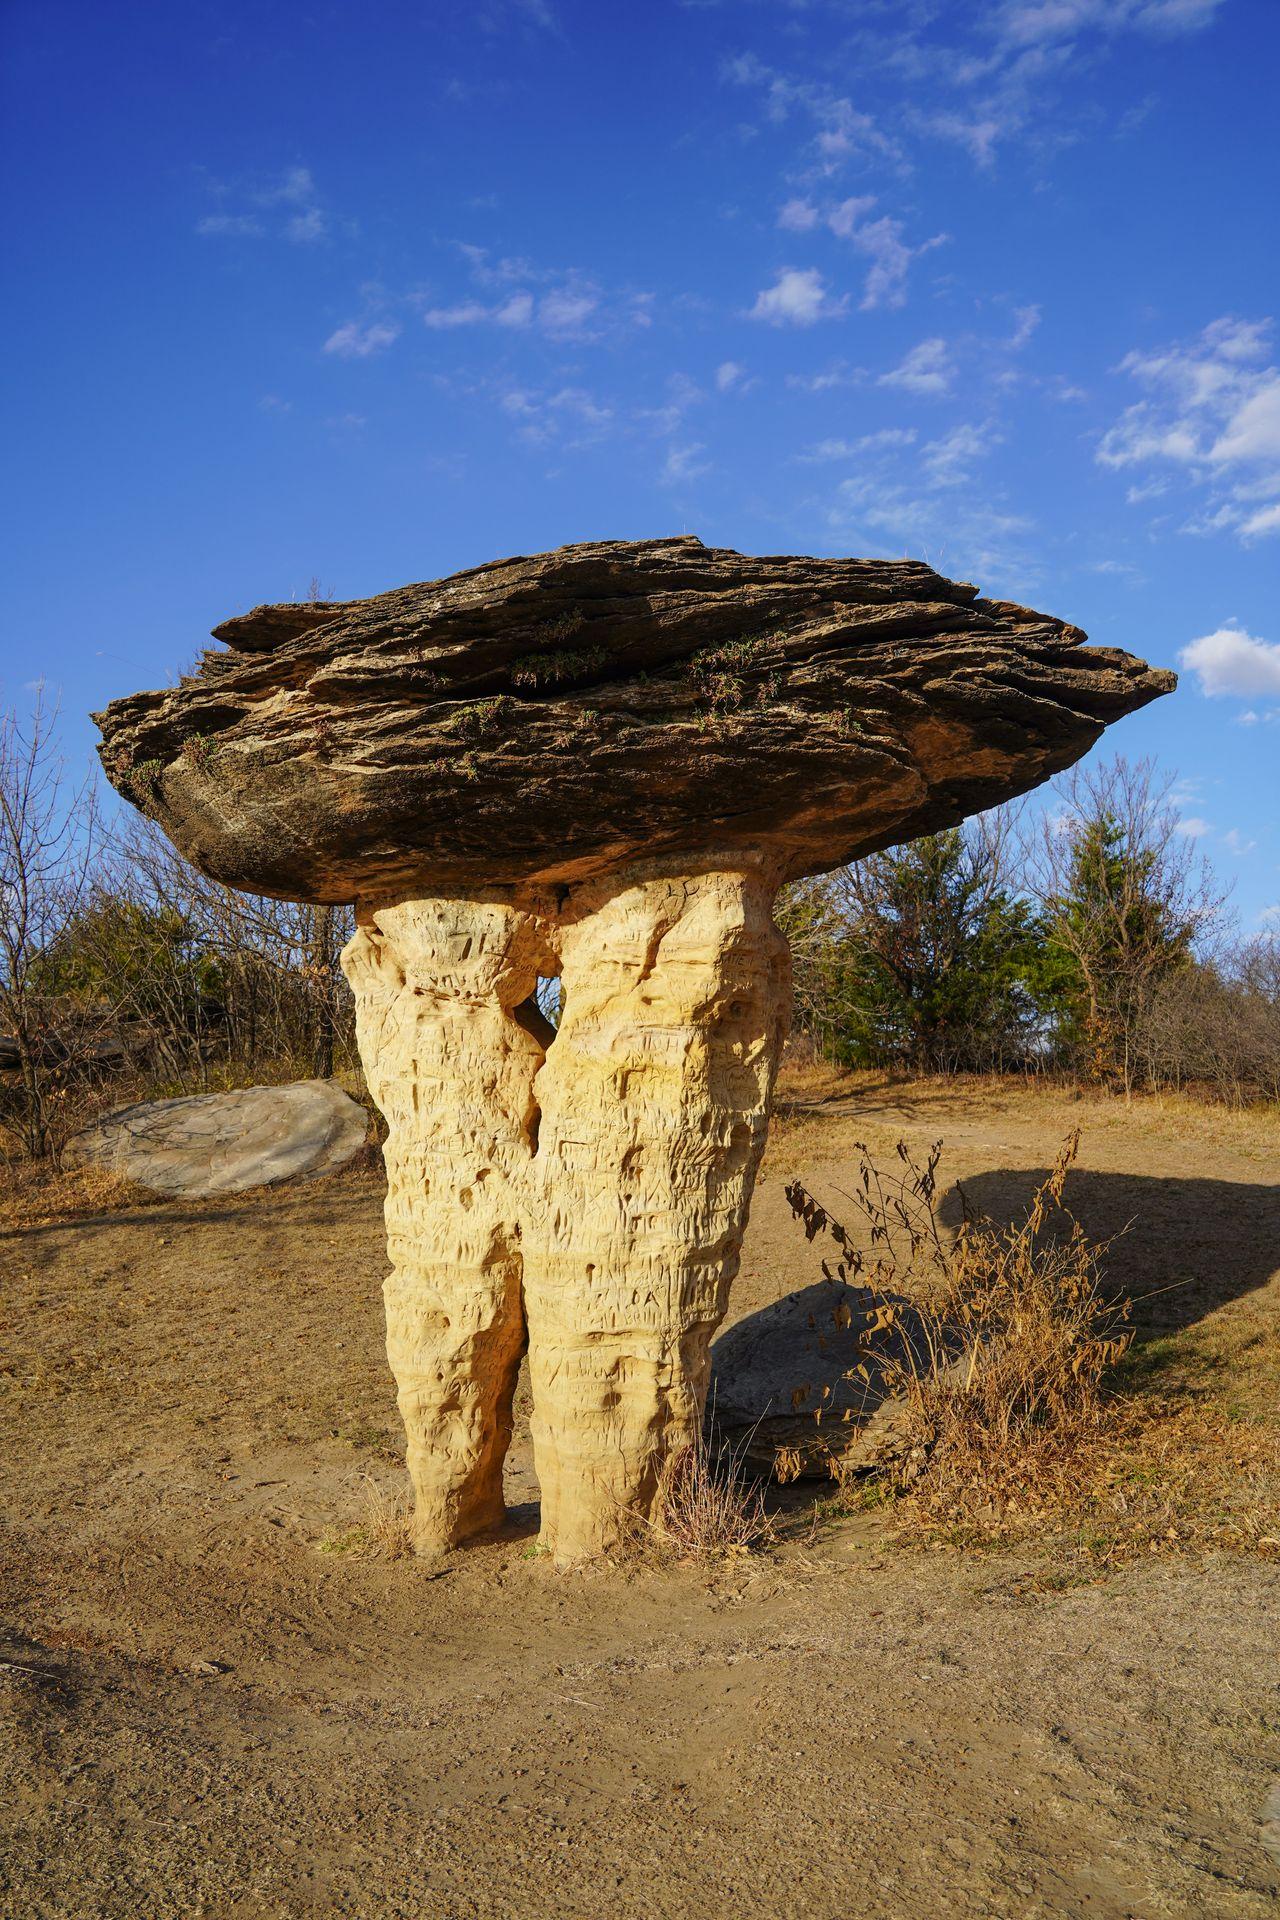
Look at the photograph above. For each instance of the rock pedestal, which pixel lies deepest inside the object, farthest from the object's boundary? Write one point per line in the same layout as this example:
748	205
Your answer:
598	762
582	1192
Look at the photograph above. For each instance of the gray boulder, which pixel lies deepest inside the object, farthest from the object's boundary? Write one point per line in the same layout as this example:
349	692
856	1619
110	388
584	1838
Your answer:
805	1387
226	1142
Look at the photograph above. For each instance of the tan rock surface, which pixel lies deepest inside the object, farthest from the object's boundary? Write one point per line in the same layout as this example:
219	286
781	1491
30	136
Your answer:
594	1192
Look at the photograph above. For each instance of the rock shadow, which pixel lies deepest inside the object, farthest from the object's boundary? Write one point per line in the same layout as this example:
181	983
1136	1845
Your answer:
1180	1248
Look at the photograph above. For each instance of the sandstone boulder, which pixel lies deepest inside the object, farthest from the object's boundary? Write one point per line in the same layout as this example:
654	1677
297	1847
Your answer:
599	763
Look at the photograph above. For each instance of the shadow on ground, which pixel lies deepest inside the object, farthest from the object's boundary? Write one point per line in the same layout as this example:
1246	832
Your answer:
1180	1248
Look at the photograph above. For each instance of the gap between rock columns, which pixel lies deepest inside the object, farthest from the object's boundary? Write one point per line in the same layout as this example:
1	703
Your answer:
593	1191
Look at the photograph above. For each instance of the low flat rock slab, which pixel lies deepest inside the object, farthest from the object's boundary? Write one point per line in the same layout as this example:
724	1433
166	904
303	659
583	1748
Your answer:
215	1143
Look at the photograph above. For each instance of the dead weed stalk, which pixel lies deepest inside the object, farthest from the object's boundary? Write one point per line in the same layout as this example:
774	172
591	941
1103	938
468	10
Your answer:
1000	1361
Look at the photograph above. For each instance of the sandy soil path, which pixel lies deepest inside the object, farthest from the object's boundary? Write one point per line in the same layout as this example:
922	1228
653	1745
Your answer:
210	1707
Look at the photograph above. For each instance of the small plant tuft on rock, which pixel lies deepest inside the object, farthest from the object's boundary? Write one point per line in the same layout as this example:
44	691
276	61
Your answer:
536	670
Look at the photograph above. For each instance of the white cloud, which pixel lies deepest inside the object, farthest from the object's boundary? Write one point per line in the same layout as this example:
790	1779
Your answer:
1044	22
1231	661
977	132
883	243
958	535
562	313
565	311
1194	827
1253	431
1215	415
927	369
468	313
839	374
1025	322
1234	841
878	442
291	196
1266	520
841	131
798	216
682	464
948	462
356	341
294	188
308	226
797	298
729	374
515	312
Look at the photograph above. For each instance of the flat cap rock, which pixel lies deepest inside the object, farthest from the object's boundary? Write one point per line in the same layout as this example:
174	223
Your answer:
541	720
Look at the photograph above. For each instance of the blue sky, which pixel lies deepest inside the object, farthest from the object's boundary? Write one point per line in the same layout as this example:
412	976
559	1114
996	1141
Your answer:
372	293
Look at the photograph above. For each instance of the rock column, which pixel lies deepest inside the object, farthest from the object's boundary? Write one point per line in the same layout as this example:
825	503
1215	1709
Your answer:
595	1188
654	1103
437	984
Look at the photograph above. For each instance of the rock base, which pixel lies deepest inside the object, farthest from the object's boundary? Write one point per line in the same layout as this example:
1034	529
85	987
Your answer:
581	1193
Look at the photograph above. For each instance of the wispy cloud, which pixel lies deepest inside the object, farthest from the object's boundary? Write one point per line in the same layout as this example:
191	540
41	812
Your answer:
838	132
684	463
286	204
231	226
516	311
949	461
838	374
797	298
1215	415
564	303
927	369
866	443
881	240
1039	23
358	340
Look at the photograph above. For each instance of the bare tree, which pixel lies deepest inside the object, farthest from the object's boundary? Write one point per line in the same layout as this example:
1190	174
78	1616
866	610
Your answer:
251	983
48	834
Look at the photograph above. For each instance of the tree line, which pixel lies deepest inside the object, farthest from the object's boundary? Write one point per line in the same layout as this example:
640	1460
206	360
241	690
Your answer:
1087	940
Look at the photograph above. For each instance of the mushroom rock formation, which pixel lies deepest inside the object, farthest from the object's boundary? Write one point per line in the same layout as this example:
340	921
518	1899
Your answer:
598	763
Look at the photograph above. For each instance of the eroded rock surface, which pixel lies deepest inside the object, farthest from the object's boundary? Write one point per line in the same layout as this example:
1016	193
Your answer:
588	1196
598	763
213	1143
540	720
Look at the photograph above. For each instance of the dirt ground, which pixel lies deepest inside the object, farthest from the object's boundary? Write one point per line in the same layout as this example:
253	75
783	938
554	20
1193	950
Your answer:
220	1699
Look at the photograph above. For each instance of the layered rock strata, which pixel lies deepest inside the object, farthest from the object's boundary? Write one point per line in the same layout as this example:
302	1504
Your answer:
598	763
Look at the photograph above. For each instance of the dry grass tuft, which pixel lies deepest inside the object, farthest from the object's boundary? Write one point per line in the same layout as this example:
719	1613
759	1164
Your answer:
705	1508
388	1522
1000	1369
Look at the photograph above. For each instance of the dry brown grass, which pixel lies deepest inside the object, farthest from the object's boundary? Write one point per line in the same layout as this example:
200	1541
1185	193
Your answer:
37	1193
384	1531
1029	1413
388	1522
